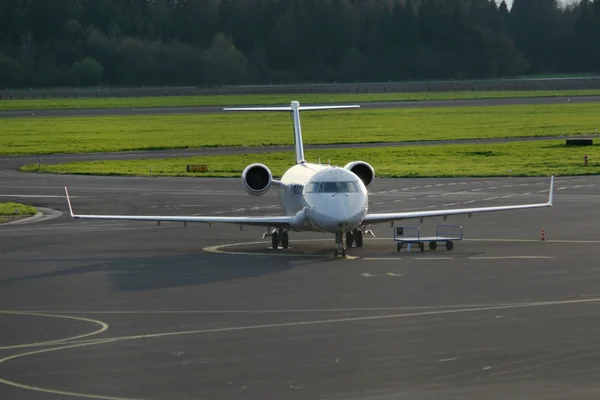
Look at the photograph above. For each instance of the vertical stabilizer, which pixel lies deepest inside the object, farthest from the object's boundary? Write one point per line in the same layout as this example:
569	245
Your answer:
294	109
299	147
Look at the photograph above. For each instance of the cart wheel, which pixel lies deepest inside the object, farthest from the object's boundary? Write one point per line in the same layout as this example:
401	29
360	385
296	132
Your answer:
432	245
449	245
399	246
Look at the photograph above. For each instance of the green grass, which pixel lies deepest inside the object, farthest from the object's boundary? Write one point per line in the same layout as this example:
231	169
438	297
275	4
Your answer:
108	134
523	159
219	100
7	211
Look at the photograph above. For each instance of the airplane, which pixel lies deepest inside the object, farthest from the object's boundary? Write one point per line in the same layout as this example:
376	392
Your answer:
314	197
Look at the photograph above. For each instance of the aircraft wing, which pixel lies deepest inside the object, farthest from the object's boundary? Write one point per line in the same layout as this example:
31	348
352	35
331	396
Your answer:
274	221
390	217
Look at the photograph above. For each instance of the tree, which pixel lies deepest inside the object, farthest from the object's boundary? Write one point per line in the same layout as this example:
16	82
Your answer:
223	63
87	72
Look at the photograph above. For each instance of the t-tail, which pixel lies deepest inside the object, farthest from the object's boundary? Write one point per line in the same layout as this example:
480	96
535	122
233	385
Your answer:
294	109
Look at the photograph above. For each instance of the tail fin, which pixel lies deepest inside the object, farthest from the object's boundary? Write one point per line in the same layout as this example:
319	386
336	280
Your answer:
294	109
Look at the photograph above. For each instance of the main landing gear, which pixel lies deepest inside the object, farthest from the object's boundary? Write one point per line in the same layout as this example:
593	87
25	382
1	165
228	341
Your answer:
354	237
279	236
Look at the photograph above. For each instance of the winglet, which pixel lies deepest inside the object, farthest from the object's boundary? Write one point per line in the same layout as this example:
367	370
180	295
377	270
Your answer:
69	201
551	193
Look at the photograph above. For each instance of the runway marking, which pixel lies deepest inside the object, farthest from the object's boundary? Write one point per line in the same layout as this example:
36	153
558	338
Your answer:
35	196
533	241
265	326
103	327
510	257
219	248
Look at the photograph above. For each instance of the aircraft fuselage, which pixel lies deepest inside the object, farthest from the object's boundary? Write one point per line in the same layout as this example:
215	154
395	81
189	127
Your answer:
324	198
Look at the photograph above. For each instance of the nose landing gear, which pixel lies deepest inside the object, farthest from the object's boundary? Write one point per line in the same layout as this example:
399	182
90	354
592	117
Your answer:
339	250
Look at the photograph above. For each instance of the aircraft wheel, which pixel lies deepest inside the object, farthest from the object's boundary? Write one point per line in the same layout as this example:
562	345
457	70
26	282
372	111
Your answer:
349	239
275	240
432	245
358	238
285	240
449	245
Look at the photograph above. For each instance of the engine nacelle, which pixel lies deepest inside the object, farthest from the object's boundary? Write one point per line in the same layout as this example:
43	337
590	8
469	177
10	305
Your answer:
363	170
257	179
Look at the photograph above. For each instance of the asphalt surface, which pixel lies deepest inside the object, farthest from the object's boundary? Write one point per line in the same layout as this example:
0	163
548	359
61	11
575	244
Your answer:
131	310
103	112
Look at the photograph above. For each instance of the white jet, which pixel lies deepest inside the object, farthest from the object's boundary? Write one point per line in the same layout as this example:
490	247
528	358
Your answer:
314	197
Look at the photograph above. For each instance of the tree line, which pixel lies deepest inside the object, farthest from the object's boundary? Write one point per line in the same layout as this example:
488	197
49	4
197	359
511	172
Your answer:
214	42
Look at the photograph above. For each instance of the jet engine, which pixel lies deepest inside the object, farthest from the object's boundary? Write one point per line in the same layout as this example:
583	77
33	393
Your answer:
257	179
363	170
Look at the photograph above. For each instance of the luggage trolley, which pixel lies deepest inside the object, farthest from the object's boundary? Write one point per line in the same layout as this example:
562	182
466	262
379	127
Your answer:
444	233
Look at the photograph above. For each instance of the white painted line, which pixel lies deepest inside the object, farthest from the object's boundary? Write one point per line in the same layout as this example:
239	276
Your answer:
475	190
431	195
393	274
381	258
47	196
492	187
367	274
397	201
435	258
490	198
393	191
510	257
562	188
447	359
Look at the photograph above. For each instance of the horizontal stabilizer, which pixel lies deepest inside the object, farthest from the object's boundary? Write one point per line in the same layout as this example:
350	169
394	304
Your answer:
287	108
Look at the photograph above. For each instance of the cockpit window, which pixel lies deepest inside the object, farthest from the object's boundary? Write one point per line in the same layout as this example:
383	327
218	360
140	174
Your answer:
331	187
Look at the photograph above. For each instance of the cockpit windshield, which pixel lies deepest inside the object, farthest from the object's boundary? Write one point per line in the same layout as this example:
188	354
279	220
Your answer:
331	187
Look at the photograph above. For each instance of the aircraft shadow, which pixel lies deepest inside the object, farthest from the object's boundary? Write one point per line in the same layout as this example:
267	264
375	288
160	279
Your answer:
150	273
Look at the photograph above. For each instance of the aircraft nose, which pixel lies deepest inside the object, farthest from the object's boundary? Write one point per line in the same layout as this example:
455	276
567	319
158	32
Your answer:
341	211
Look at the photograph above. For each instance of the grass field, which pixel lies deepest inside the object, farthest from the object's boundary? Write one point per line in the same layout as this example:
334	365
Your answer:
219	100
7	211
108	134
523	159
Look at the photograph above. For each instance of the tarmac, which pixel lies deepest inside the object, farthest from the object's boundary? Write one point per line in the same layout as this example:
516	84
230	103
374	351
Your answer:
131	310
124	310
174	110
